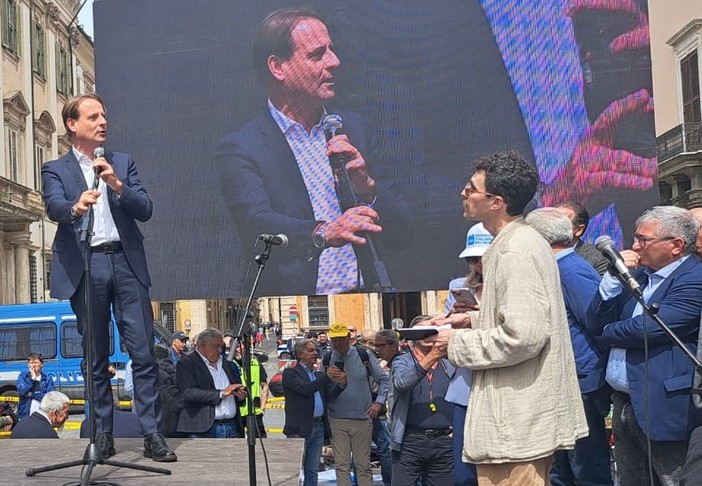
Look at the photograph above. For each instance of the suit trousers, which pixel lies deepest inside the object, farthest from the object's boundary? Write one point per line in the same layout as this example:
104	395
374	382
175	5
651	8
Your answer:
630	449
352	436
115	287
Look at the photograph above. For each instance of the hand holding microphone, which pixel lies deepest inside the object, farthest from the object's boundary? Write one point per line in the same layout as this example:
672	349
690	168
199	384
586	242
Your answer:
617	264
103	170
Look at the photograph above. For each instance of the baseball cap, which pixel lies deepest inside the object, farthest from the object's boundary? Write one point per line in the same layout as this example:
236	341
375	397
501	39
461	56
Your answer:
180	335
337	330
477	241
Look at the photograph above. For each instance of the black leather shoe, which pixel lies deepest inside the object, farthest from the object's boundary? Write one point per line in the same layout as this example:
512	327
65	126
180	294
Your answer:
105	444
156	448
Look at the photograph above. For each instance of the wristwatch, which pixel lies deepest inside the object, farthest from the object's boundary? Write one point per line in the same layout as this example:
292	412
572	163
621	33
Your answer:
221	394
74	213
318	239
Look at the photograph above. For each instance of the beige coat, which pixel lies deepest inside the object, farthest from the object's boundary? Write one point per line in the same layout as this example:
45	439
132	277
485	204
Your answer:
525	401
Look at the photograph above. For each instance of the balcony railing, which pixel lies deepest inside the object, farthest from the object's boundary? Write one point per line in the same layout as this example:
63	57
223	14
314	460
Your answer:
686	137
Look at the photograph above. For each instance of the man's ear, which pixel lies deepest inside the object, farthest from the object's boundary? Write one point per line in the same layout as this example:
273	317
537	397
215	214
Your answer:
578	230
497	203
275	67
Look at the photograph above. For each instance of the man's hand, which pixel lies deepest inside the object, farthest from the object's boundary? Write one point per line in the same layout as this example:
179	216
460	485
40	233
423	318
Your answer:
336	375
595	166
87	199
440	341
236	389
362	183
107	174
343	229
457	321
374	410
631	259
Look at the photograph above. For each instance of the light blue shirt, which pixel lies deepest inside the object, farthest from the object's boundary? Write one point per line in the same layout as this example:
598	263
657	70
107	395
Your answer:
610	287
309	150
318	404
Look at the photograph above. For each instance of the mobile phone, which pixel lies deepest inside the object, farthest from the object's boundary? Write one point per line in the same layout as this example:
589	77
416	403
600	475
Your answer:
464	296
339	364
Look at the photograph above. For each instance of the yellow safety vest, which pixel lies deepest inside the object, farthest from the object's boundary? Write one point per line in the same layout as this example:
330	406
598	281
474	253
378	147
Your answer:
255	387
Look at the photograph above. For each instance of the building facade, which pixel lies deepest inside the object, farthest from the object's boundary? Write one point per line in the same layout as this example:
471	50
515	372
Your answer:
46	59
676	52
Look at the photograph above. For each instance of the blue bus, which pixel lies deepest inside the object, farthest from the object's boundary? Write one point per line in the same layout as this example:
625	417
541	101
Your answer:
52	330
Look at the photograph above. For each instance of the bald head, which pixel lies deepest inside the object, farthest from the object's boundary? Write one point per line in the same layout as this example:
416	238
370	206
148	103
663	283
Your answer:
697	214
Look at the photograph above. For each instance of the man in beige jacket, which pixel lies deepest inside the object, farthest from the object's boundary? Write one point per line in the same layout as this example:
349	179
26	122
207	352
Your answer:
525	401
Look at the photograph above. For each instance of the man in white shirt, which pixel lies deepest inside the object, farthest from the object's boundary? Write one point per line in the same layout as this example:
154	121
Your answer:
212	390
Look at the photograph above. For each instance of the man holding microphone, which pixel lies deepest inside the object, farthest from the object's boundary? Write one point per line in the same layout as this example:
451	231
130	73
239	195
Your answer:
119	275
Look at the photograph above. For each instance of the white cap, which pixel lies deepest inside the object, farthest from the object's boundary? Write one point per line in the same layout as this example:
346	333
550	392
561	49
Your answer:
477	241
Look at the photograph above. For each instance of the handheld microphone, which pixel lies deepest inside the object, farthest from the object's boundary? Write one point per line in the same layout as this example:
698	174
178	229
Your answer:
606	246
98	153
275	240
332	125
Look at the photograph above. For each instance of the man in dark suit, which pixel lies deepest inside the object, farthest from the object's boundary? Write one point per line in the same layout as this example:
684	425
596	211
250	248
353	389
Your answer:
211	389
671	276
119	275
305	410
52	412
276	174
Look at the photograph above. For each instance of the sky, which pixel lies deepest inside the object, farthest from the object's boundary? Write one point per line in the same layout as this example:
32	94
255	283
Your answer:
85	18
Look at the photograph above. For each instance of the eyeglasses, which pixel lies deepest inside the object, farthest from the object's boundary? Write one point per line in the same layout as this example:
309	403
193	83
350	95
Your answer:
644	240
352	330
470	189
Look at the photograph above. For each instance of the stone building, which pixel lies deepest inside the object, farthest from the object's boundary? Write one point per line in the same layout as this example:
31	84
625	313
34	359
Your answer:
46	58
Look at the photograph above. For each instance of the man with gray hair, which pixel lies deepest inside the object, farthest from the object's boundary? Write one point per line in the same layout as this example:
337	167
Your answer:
52	412
588	462
661	376
212	390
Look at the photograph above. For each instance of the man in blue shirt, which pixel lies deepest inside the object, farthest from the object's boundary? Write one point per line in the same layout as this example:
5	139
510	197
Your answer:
305	410
652	391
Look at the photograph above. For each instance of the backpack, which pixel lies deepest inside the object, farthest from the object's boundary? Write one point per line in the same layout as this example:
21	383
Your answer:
365	359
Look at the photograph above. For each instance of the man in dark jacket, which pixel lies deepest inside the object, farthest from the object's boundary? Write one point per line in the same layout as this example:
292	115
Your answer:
52	412
305	409
32	385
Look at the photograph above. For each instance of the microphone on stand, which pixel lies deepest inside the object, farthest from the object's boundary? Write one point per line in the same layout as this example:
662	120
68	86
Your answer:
98	153
606	246
275	240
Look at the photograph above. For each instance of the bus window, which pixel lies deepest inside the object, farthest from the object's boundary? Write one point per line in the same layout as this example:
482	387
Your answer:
17	341
71	346
70	340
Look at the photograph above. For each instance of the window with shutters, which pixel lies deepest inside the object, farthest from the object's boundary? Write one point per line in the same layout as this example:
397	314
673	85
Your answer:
10	26
63	71
690	83
39	50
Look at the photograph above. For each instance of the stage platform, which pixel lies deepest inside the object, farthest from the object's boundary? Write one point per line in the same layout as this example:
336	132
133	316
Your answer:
200	462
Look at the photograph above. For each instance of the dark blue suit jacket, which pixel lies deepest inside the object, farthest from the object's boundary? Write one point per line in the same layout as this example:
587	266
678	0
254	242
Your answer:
265	192
299	399
63	184
579	284
671	415
36	426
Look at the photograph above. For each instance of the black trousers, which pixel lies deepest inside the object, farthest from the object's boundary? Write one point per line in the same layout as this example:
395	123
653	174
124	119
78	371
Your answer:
421	457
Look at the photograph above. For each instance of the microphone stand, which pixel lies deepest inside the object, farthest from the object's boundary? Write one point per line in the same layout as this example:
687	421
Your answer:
92	456
381	279
652	311
243	334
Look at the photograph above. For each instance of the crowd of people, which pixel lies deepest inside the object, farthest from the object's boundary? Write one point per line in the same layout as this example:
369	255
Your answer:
546	346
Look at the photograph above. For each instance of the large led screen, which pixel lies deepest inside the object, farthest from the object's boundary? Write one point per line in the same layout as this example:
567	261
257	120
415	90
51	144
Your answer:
421	89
